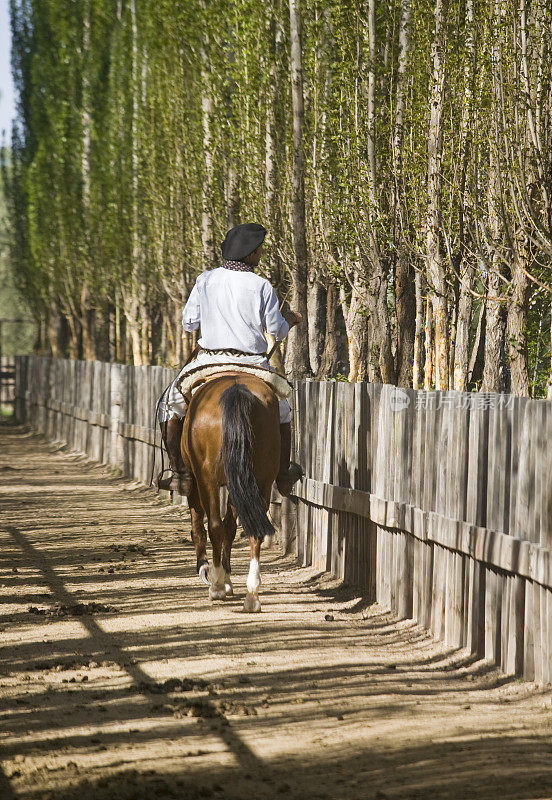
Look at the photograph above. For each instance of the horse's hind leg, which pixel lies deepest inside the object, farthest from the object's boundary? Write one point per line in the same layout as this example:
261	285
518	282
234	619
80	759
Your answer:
199	534
252	602
217	530
229	536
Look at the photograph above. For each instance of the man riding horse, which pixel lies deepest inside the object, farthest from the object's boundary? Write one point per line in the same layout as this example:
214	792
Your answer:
234	307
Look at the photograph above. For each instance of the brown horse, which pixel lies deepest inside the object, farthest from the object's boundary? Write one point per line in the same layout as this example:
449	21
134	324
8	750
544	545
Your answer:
231	437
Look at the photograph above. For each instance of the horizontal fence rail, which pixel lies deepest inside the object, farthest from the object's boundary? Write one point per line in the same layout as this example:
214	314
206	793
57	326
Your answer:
439	504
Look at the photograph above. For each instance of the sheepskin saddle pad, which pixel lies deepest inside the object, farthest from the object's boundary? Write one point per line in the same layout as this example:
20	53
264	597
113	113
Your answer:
195	378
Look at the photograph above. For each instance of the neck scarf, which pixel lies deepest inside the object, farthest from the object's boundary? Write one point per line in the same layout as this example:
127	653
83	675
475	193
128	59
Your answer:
237	266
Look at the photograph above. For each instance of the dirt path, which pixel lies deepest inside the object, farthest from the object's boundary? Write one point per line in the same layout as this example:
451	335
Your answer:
120	680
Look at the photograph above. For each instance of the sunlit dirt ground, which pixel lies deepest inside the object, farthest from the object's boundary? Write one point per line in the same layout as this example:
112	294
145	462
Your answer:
119	679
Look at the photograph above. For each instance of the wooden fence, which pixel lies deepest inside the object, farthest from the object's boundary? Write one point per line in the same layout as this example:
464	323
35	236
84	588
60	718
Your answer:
104	410
7	381
439	504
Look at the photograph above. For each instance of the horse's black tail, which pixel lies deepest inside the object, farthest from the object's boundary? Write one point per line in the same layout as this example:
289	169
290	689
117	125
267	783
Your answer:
237	439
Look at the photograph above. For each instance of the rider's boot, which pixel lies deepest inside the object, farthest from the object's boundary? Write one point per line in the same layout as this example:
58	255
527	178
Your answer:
181	478
290	472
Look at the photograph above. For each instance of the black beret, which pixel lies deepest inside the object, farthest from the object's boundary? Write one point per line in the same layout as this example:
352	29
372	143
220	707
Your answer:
242	240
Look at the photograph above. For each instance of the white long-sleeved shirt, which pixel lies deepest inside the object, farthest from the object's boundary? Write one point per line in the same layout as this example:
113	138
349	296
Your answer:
234	309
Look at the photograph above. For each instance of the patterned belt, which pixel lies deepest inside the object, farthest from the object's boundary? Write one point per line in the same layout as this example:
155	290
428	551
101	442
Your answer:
228	351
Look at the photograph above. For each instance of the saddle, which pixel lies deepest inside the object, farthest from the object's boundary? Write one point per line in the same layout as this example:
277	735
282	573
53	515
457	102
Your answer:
192	380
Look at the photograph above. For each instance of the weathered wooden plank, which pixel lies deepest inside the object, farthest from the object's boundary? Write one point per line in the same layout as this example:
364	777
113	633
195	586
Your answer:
499	451
476	496
515	406
454	598
525	499
548	645
530	632
422	561
475	619
363	446
288	524
537	625
516	619
449	487
404	421
325	456
93	446
437	596
542	431
309	430
431	438
493	614
344	417
545	637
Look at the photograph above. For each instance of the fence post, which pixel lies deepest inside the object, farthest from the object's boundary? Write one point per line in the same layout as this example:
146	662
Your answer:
116	454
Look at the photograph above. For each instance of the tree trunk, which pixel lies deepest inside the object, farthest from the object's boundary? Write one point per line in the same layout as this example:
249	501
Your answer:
356	326
316	317
134	293
464	267
477	358
386	362
330	356
119	334
417	369
297	357
43	347
272	140
133	328
549	384
435	262
377	272
207	226
493	372
87	321
517	330
428	347
54	331
112	336
73	345
462	339
405	300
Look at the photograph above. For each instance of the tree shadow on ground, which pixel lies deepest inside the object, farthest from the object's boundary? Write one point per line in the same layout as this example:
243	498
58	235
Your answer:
303	691
485	769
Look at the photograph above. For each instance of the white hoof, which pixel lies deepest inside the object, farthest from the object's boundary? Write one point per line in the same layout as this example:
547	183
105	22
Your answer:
228	588
217	593
251	604
204	574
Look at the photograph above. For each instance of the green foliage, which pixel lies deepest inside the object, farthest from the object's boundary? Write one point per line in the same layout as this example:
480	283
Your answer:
137	122
17	338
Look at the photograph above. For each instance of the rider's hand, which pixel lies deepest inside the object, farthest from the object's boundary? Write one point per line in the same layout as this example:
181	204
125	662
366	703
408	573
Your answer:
293	318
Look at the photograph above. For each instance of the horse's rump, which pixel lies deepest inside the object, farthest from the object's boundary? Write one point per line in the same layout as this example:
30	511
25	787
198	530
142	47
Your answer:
232	437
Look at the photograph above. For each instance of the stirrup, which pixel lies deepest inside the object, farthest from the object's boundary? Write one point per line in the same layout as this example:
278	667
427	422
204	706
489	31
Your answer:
179	482
163	482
